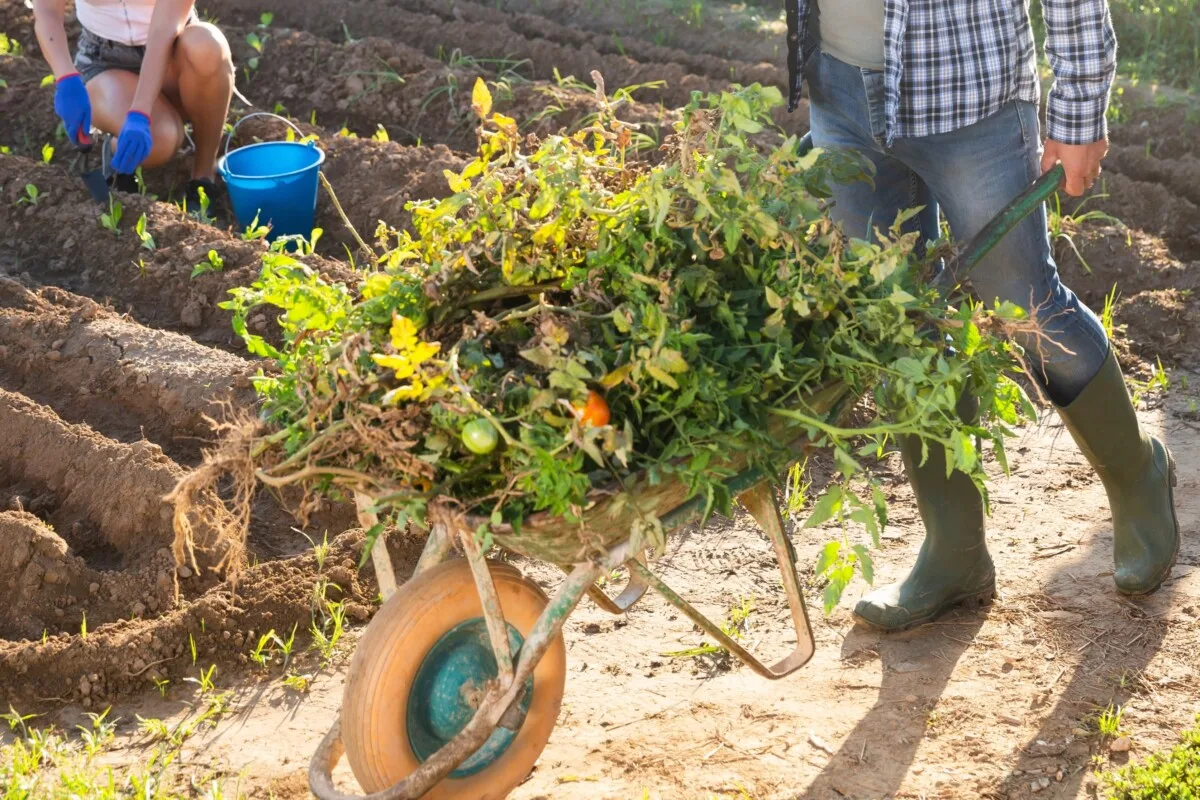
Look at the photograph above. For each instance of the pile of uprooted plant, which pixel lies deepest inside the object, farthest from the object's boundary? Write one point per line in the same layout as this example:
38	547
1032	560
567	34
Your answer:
571	316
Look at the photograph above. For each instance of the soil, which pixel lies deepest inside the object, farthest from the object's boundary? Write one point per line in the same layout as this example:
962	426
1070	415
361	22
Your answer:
114	361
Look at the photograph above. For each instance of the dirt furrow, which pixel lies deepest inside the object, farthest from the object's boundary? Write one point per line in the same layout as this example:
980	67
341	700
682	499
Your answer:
124	380
1152	208
89	487
60	241
1180	175
366	83
435	36
127	656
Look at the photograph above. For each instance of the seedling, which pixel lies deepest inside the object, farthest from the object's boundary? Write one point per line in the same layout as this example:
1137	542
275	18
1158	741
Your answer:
111	219
320	551
192	647
10	46
214	263
265	19
47	153
142	234
202	216
204	681
83	627
101	733
326	644
733	627
260	655
1108	721
1159	381
1106	314
255	231
161	684
1058	223
299	683
16	720
381	134
285	647
31	196
47	81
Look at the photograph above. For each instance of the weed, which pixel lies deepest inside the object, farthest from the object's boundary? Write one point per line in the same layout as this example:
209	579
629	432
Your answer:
285	647
205	680
734	627
1108	721
1159	381
798	485
144	235
265	19
299	683
324	642
1106	314
320	551
1173	775
99	734
111	219
1060	223
83	627
31	196
161	684
47	153
16	720
260	655
213	263
10	46
381	134
202	216
192	647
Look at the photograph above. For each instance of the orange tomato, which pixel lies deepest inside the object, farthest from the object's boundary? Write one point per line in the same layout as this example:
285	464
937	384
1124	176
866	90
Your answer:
595	411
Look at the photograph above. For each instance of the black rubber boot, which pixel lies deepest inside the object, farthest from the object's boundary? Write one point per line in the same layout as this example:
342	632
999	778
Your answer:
953	567
1138	473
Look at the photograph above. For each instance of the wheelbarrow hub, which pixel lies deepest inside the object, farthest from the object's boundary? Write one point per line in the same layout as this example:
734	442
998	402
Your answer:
455	677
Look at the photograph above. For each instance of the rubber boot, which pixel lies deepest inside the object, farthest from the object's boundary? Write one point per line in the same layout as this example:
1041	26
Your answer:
953	567
1138	473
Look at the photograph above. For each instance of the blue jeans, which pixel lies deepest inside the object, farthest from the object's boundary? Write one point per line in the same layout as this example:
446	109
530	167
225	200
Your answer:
969	175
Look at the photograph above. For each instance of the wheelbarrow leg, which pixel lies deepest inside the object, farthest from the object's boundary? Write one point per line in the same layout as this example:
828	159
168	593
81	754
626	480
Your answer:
385	574
762	505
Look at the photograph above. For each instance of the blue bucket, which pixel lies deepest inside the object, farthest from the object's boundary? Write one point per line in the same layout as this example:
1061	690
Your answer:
275	181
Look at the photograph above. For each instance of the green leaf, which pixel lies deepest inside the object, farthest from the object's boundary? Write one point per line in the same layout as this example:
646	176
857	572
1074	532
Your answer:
662	376
865	563
828	557
826	507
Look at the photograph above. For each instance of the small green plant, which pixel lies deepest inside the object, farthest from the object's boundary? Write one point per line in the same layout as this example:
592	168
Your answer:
101	732
31	196
213	263
265	19
299	683
144	235
205	679
161	684
47	80
111	219
798	485
1173	775
202	216
286	645
1158	381
255	231
734	627
260	654
1060	224
1106	314
192	647
320	551
326	641
381	134
47	153
83	627
10	46
1108	721
156	729
16	720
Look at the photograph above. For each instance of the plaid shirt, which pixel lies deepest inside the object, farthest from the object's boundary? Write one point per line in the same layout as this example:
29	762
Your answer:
950	63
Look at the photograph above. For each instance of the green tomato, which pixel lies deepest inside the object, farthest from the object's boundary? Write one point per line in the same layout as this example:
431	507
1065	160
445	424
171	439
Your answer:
480	436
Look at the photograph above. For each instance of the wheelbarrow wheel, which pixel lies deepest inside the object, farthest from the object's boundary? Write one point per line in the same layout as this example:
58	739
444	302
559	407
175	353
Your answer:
418	670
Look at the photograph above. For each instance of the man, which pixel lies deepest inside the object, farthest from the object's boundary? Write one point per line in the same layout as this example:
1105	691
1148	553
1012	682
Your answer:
942	97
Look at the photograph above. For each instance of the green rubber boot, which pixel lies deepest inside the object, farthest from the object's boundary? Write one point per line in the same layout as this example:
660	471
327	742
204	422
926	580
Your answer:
1138	473
953	567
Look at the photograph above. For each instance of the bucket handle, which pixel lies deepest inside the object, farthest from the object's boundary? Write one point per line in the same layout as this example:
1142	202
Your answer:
284	120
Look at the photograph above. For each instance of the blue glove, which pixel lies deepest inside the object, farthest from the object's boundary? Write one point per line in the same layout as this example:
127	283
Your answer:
133	143
73	108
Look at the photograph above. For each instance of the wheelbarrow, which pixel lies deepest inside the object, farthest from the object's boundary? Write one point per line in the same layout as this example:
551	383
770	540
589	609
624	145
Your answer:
456	684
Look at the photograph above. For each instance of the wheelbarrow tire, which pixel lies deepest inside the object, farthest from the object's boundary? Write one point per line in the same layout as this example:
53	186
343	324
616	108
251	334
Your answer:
386	664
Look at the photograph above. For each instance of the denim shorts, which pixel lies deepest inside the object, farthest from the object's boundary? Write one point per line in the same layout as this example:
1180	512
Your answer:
95	55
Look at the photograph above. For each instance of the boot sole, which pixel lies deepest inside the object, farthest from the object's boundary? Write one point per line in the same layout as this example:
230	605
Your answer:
971	601
1166	573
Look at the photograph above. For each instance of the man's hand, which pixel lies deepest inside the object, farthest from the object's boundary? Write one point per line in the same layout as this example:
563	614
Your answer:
1080	161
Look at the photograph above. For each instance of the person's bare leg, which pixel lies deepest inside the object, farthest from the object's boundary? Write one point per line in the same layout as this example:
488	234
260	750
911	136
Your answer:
111	94
201	75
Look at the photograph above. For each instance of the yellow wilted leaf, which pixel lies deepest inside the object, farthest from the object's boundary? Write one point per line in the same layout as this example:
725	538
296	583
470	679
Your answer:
616	376
481	99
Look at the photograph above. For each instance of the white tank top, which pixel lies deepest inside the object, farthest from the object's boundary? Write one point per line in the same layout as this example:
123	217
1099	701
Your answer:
124	21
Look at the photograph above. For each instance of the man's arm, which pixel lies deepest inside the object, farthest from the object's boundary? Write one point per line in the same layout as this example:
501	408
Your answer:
1082	49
